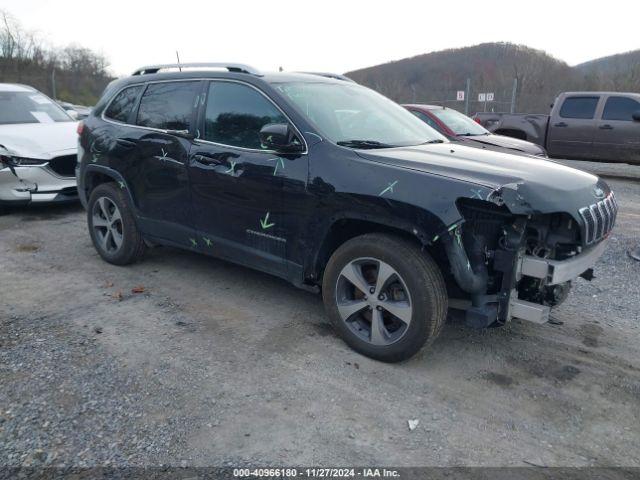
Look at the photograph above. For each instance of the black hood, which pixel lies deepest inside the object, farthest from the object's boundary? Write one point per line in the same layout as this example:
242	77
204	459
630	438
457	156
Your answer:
505	142
527	184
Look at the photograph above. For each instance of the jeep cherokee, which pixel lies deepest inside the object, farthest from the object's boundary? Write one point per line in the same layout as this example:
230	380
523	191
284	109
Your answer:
335	188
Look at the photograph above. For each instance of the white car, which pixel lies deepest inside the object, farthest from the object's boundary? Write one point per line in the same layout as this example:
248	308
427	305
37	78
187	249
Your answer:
38	148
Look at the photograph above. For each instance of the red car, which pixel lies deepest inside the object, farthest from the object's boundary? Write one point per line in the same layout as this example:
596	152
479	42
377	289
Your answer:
456	126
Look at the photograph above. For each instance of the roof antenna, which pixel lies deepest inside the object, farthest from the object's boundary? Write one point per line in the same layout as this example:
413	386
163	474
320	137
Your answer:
178	57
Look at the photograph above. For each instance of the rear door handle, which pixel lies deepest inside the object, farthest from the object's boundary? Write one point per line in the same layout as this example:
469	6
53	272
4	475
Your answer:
606	126
560	124
126	144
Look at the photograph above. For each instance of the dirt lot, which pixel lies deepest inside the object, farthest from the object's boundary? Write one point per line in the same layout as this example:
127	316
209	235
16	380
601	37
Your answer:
214	364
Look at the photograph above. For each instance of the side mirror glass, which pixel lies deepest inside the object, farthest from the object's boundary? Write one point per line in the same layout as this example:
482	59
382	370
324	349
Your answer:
280	138
636	116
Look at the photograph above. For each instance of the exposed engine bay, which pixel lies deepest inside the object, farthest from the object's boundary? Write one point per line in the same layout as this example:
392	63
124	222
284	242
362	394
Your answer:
520	265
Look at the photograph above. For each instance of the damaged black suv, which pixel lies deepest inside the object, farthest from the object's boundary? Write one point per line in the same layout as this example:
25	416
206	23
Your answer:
335	188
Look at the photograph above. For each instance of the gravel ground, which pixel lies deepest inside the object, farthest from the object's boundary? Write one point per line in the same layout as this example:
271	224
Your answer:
208	363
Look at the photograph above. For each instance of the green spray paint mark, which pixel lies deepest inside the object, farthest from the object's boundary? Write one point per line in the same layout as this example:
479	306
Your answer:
477	194
122	185
388	189
193	242
207	241
264	222
279	162
233	166
435	239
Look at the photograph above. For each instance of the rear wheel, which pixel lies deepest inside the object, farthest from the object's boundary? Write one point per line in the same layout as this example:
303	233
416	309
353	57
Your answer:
112	227
385	297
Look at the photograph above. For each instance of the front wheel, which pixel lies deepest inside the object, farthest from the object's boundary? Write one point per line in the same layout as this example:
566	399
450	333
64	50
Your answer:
385	297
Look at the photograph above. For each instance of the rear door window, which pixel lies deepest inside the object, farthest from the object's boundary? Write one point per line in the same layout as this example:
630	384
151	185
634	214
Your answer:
620	108
122	105
168	105
235	114
579	107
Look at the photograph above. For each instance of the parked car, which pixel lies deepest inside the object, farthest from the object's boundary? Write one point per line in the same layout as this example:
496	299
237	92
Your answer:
38	148
336	188
458	127
582	125
76	111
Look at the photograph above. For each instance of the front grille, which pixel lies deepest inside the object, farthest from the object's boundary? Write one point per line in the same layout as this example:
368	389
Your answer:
599	219
64	166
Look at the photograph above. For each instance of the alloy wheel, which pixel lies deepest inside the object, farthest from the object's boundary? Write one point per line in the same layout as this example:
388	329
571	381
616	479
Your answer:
107	225
373	301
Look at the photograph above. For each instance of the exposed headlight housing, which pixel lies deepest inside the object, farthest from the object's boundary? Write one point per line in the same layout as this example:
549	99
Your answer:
9	160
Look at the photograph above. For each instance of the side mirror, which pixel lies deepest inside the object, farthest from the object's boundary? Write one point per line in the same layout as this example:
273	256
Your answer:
72	113
636	116
280	138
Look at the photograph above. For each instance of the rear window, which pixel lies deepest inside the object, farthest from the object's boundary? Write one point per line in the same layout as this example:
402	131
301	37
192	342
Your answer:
168	105
122	105
620	108
579	107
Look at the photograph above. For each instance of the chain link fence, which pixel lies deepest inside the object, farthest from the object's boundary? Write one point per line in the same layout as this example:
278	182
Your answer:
470	99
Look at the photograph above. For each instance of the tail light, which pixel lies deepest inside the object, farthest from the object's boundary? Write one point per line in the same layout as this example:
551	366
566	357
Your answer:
80	128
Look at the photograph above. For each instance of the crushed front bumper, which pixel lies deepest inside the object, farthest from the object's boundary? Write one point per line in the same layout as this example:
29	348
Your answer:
552	272
560	271
35	184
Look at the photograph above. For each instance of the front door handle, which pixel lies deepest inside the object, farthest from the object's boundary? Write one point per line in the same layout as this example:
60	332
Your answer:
606	126
560	124
205	160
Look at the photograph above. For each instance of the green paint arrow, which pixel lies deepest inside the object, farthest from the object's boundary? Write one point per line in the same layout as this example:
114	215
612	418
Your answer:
193	242
264	222
207	241
279	162
121	184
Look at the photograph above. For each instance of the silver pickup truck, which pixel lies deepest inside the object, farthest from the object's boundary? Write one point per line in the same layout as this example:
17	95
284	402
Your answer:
584	125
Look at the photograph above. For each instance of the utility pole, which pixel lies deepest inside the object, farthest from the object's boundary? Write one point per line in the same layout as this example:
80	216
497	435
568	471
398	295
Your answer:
513	95
466	97
53	82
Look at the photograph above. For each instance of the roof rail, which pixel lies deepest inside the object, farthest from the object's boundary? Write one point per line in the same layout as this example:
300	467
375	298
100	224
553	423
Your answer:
335	76
232	67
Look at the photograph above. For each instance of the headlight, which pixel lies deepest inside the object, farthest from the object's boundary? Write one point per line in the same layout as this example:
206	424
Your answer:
28	162
7	160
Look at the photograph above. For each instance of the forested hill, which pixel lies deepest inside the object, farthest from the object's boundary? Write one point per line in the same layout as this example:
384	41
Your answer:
492	67
72	74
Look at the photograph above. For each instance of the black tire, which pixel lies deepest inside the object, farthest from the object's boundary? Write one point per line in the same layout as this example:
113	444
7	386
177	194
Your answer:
414	268
132	246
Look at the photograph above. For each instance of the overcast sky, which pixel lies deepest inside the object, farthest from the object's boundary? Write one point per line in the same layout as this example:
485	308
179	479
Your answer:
328	35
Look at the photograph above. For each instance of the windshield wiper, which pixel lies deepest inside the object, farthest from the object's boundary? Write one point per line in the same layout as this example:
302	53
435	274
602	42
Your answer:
363	144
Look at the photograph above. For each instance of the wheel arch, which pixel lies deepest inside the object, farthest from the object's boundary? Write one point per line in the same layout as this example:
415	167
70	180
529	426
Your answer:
95	175
512	132
346	227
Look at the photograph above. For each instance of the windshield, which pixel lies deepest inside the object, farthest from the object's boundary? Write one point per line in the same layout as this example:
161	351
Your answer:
29	107
459	123
354	116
